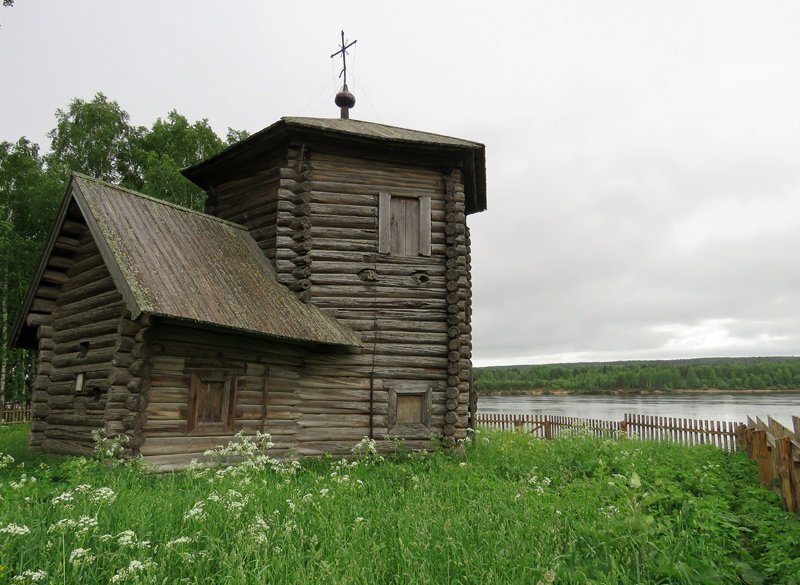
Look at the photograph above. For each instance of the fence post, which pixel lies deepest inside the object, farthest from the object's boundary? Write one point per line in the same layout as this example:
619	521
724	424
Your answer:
623	429
761	451
548	430
784	446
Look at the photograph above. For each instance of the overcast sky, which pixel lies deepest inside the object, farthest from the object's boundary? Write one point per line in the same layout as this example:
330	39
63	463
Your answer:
643	158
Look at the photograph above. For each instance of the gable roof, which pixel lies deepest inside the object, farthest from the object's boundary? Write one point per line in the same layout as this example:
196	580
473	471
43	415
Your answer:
174	262
472	155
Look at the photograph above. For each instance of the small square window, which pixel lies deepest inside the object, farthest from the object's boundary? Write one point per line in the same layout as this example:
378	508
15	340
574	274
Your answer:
410	412
212	402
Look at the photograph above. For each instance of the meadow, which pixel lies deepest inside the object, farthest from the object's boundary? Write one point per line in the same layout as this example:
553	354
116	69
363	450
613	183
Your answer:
511	509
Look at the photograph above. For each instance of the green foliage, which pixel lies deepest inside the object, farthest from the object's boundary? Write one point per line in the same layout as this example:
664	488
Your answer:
171	145
512	510
96	138
721	373
28	197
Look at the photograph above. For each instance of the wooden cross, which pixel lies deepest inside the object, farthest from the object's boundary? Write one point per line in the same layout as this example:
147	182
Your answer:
343	51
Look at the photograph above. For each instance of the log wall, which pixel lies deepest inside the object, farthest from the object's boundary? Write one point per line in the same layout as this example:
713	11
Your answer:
251	201
411	312
315	213
265	371
79	341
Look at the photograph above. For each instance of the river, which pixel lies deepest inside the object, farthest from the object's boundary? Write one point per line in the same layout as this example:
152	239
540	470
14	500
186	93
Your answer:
733	407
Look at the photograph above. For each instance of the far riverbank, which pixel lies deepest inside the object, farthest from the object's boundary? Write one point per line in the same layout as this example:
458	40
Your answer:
638	392
722	405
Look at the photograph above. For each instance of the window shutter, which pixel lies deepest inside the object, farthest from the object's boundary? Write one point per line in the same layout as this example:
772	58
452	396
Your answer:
424	226
384	223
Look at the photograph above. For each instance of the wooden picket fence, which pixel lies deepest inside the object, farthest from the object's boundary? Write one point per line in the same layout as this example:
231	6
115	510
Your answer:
11	414
722	434
776	450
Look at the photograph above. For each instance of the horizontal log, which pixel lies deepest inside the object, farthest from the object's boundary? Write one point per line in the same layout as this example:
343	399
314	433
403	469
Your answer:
176	411
436	307
396	373
92	275
164	427
91	359
54	276
187	444
87	332
83	305
340	407
416	319
353	434
40	305
342	421
160	380
167	364
63	447
87	317
68	419
335	394
78	345
37	319
248	411
397	266
249	397
67	244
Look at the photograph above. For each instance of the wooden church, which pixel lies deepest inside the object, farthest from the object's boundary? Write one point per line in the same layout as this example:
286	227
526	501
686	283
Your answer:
323	297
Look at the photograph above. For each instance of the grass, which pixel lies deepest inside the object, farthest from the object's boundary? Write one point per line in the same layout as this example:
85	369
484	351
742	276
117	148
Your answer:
511	510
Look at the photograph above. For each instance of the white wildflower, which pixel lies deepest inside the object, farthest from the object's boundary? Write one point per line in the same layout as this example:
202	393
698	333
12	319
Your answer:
15	529
65	500
197	512
30	576
133	569
81	556
23	481
62	525
126	538
103	495
365	446
5	460
180	540
85	524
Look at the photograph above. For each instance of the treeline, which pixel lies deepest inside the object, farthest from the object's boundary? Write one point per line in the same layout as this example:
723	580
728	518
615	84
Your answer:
779	373
95	138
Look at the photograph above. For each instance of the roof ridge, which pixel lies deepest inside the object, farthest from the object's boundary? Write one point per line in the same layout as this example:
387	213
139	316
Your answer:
296	119
157	200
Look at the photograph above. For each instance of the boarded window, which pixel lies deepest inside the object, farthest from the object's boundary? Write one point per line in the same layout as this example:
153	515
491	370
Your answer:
404	227
212	402
409	409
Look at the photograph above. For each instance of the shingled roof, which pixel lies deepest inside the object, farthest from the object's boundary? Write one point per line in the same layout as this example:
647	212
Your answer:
173	262
471	156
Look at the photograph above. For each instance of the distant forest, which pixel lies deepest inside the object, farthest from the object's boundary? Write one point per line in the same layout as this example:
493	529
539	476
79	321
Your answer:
773	373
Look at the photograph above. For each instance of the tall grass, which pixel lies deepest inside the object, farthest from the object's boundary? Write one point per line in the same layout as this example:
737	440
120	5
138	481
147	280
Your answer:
511	510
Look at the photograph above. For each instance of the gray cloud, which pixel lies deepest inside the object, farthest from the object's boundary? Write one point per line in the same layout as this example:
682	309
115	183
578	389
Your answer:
643	161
